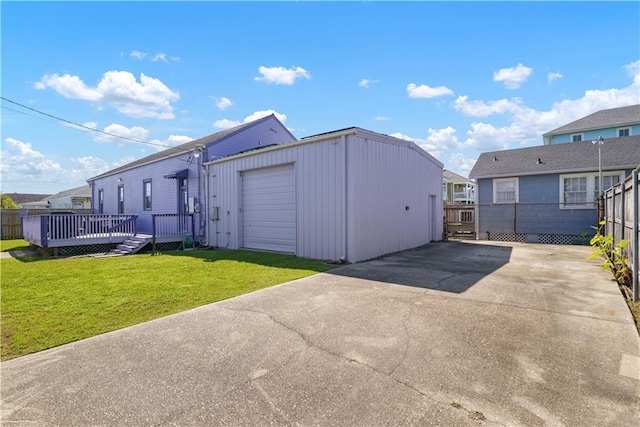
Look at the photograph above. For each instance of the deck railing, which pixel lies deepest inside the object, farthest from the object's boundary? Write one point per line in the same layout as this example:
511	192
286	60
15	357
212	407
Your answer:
169	227
56	230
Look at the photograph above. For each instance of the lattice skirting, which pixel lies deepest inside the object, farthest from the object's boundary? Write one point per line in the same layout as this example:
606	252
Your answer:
507	237
549	239
168	246
77	251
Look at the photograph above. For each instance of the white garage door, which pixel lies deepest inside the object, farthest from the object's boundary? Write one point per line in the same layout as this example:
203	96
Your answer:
269	209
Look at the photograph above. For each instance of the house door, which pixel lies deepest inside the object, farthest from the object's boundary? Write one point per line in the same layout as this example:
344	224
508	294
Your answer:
269	209
183	195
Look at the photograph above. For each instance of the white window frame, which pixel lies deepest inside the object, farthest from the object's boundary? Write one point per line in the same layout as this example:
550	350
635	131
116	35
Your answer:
591	187
625	128
495	190
581	135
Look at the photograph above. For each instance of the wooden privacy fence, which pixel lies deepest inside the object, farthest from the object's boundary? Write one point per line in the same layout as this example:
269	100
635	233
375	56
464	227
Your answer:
12	220
622	221
459	221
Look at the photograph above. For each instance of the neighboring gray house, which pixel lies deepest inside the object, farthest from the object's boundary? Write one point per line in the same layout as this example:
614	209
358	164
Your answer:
547	193
612	123
171	182
346	195
74	198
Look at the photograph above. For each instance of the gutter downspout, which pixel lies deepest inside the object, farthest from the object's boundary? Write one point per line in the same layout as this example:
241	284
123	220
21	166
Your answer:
343	141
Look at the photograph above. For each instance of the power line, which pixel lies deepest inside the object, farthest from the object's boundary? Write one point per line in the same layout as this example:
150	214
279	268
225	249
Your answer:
139	141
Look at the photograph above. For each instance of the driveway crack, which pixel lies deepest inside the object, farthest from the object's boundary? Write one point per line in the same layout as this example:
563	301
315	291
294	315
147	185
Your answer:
389	375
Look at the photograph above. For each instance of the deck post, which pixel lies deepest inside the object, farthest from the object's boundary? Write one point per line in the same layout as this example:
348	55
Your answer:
44	219
193	228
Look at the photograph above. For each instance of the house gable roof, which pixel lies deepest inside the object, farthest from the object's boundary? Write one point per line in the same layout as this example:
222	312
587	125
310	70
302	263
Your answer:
617	153
187	147
21	198
601	119
83	191
336	134
449	176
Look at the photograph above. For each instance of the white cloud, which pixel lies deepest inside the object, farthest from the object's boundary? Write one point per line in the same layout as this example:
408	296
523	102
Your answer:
633	69
402	136
484	109
171	141
551	77
226	124
223	103
460	164
381	118
147	98
175	59
513	77
281	75
260	114
19	150
486	137
135	132
443	138
159	57
366	83
524	125
69	86
138	55
89	166
424	91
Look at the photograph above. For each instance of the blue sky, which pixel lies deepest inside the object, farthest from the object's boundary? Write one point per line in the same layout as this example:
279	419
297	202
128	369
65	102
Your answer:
457	78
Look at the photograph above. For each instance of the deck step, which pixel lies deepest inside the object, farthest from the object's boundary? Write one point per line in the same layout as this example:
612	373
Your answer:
132	245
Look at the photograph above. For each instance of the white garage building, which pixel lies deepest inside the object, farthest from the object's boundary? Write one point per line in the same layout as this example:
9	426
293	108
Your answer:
348	195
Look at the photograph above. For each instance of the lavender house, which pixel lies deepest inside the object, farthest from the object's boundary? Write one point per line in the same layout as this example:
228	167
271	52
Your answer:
168	187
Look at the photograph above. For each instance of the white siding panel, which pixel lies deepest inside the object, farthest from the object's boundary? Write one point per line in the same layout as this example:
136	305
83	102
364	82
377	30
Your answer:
269	209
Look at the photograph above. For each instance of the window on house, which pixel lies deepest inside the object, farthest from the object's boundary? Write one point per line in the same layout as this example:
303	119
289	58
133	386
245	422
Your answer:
575	190
576	137
120	199
101	201
505	190
579	191
624	131
146	191
608	181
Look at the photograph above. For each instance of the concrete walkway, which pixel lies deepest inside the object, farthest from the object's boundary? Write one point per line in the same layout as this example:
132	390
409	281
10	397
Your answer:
453	333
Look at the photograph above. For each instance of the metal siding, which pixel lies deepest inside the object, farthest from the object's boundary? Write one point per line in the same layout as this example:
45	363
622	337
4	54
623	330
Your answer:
262	134
384	178
269	209
318	185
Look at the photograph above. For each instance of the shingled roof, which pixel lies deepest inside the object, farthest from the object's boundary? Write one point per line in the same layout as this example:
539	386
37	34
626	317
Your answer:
181	149
602	119
617	153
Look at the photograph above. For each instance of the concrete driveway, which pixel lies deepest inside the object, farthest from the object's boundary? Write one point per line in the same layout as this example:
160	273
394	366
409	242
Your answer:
453	333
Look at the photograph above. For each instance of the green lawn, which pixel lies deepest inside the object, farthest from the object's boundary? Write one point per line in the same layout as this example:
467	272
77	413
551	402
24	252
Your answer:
11	245
49	302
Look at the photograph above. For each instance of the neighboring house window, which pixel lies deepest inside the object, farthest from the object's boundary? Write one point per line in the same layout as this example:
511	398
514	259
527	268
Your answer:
579	191
505	190
101	201
146	189
576	137
575	190
624	131
183	196
120	199
608	181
